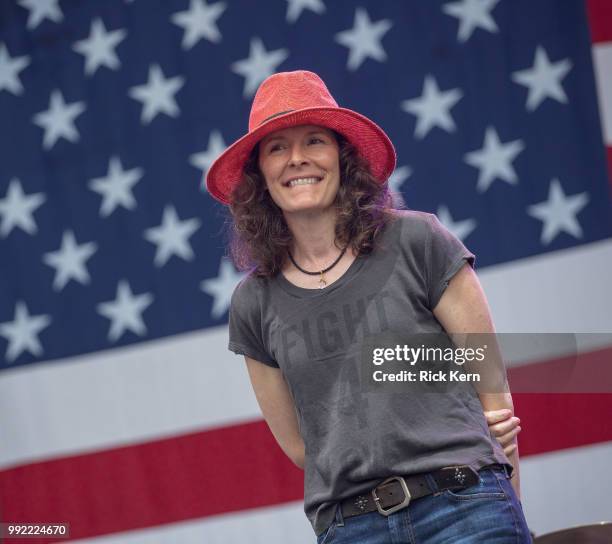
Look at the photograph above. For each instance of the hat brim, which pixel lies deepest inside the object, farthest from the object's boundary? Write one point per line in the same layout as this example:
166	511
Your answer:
370	140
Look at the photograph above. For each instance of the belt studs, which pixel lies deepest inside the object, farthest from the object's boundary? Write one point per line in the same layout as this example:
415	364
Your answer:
361	502
459	475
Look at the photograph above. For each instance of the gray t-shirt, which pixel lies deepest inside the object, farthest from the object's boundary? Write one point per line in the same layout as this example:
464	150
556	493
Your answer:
354	437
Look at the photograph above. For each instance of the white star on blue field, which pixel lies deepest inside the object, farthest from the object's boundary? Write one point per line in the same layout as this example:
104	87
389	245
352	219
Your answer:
113	114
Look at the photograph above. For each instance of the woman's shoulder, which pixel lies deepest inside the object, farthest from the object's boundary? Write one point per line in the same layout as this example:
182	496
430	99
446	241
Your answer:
413	225
247	290
412	217
254	292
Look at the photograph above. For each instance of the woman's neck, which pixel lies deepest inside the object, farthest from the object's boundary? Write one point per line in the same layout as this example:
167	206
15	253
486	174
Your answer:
313	238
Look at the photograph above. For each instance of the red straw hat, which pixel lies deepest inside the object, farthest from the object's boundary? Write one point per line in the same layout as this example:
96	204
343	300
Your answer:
295	98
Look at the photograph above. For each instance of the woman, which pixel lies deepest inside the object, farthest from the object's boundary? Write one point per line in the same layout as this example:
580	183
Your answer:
336	268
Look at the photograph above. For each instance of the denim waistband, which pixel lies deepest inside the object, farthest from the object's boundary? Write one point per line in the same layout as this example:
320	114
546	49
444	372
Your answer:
499	467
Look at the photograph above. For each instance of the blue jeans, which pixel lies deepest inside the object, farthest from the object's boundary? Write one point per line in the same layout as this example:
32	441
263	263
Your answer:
488	512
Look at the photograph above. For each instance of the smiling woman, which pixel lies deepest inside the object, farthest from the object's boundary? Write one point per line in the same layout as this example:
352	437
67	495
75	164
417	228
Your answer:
331	266
264	205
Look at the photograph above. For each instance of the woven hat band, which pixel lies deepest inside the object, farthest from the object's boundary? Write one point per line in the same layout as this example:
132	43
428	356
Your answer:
275	115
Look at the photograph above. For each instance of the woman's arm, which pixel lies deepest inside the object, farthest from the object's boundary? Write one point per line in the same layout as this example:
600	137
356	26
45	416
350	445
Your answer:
277	407
463	309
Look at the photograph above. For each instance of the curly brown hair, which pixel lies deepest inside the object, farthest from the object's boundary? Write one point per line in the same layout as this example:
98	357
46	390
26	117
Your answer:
260	237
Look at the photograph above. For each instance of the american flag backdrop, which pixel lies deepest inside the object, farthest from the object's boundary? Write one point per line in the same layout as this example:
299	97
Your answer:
121	411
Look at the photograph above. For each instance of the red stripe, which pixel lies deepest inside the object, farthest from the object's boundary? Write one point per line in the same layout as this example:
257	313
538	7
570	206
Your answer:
600	20
554	415
235	468
552	422
589	372
192	476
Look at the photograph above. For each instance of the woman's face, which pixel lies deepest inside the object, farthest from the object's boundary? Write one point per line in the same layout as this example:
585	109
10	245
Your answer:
301	167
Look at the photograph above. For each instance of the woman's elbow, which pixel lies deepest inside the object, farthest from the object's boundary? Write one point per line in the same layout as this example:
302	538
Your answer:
298	456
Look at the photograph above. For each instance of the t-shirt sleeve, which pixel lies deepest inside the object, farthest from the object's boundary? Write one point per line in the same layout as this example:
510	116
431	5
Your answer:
445	255
245	328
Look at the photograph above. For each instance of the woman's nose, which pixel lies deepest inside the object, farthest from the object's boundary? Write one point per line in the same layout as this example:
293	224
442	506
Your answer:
297	155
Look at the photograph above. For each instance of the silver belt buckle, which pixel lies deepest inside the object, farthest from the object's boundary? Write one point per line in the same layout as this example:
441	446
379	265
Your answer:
397	507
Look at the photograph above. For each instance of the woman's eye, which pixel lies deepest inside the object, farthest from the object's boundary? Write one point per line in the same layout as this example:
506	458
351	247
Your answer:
276	147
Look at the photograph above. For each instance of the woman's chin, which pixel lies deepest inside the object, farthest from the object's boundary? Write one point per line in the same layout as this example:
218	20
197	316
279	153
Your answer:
304	205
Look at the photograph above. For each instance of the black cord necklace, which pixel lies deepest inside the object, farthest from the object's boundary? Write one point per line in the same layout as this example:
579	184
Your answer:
322	282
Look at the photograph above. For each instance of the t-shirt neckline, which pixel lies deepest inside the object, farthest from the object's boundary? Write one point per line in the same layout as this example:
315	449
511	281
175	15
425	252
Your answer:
305	292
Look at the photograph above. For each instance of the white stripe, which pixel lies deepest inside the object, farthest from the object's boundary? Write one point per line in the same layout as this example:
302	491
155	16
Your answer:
560	292
285	524
558	490
567	488
563	291
189	382
128	395
602	60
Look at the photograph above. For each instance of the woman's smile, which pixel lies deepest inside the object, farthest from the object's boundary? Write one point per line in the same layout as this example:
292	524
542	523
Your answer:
295	182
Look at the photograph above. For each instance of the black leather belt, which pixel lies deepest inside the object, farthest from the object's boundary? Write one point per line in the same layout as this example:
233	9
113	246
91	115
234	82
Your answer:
396	492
